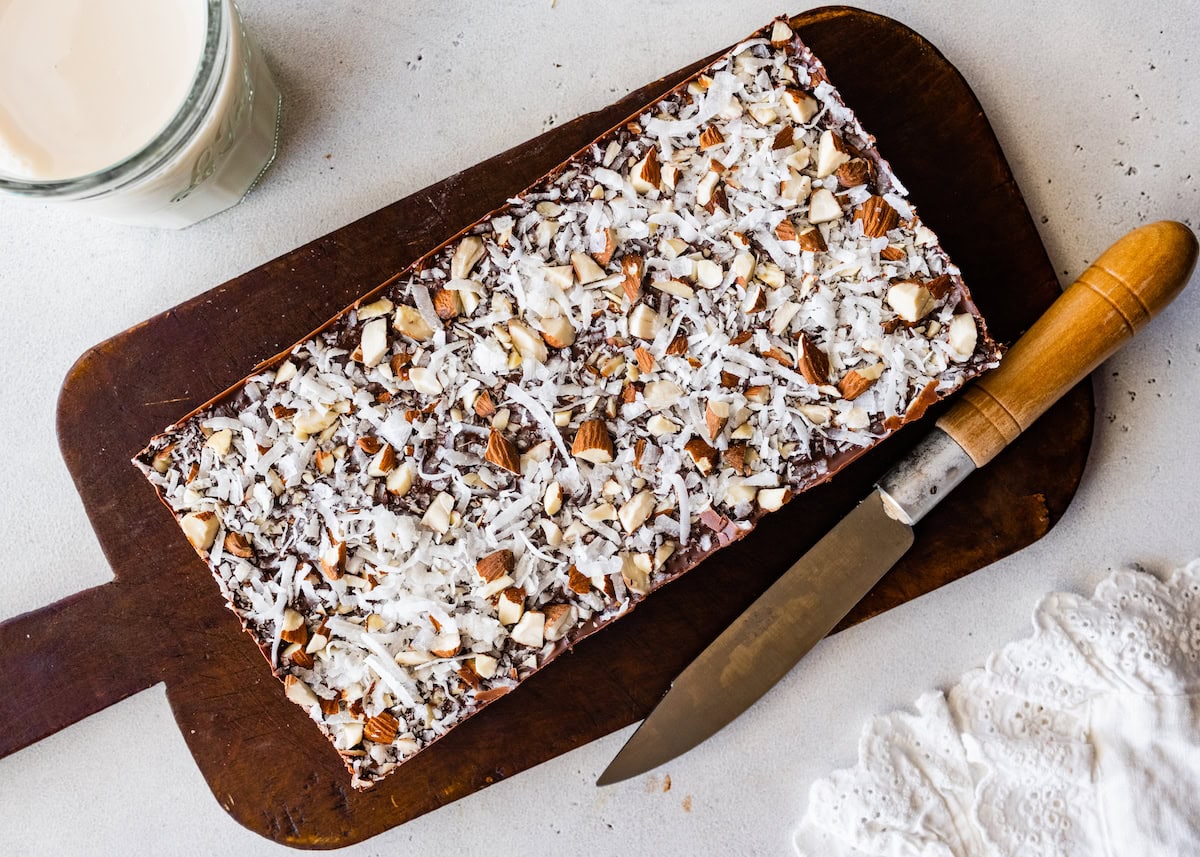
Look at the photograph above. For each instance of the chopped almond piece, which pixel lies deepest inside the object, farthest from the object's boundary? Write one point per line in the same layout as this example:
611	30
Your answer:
200	529
484	406
854	173
586	269
780	355
503	453
559	618
812	241
716	414
857	381
634	269
772	499
333	561
814	363
877	217
940	286
446	304
495	565
645	174
910	300
831	154
593	443
579	583
610	246
238	545
678	346
702	455
381	729
383	462
710	137
735	457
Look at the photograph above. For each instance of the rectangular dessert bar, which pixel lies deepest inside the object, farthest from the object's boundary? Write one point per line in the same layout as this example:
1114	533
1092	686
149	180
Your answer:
713	307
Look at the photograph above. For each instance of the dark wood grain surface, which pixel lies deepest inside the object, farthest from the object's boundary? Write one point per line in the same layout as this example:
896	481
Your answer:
162	618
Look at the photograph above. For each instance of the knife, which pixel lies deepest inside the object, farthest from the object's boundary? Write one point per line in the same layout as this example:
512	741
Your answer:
1114	298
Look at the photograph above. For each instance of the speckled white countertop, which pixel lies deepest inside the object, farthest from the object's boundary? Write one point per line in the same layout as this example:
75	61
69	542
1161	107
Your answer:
1096	107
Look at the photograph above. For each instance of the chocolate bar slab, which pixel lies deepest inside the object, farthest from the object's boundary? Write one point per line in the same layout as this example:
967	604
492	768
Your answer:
713	307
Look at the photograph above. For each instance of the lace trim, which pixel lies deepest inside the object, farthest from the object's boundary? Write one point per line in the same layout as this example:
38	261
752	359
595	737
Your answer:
1083	739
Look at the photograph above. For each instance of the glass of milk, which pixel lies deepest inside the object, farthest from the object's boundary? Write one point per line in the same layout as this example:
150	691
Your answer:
149	112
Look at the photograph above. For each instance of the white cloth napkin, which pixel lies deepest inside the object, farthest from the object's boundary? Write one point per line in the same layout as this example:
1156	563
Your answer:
1083	739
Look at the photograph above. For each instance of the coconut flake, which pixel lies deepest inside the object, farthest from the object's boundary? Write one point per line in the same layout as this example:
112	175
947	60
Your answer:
536	411
685	512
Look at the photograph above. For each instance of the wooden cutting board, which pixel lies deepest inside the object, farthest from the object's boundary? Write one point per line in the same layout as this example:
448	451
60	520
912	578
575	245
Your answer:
162	619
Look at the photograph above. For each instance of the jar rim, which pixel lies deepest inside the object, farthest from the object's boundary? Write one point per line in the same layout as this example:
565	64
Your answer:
164	145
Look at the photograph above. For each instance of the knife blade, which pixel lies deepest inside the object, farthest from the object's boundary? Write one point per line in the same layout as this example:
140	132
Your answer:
765	642
1127	286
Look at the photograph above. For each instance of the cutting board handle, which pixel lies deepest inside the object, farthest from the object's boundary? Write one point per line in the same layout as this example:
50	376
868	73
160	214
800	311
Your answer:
1113	299
68	660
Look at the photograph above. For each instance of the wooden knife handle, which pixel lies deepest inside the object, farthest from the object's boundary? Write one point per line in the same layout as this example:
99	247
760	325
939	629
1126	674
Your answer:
1127	286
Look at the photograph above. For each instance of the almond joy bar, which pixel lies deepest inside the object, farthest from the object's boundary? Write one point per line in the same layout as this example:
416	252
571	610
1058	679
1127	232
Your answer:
708	310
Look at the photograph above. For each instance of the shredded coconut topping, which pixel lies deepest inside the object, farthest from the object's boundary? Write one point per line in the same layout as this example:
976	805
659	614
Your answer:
711	308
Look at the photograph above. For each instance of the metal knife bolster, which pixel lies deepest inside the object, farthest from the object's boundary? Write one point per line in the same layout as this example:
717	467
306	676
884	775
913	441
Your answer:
932	470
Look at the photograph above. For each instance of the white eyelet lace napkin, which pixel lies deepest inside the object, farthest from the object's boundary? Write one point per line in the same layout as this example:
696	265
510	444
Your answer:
1083	739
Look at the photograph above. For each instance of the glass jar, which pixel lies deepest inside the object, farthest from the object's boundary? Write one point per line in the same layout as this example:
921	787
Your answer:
215	148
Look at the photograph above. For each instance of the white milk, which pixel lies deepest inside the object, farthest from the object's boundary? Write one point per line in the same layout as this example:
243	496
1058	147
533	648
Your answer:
89	84
86	83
